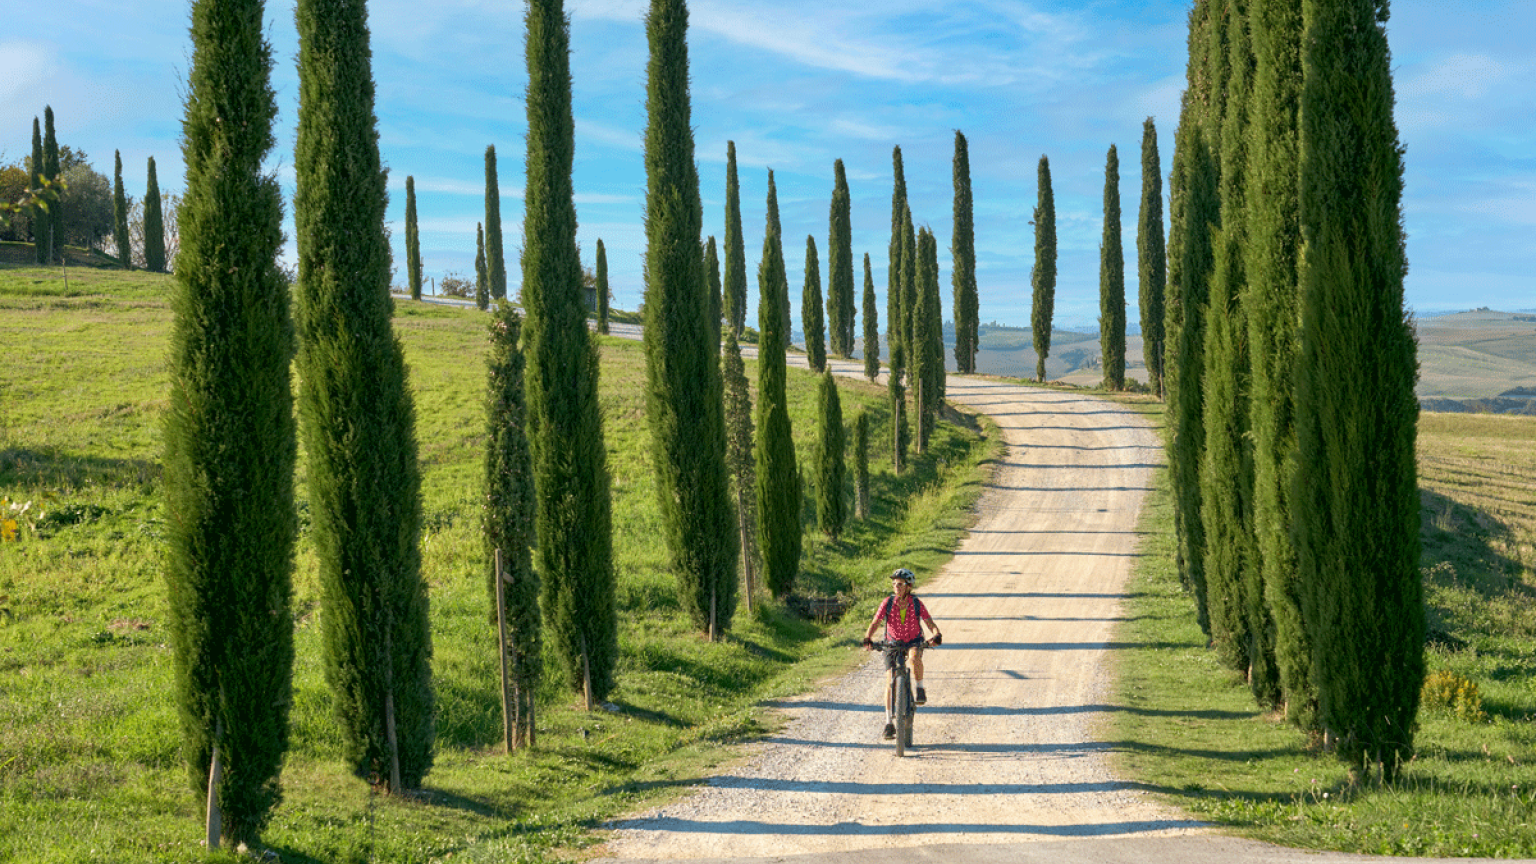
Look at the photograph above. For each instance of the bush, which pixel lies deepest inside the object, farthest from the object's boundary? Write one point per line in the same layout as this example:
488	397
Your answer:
1445	690
453	284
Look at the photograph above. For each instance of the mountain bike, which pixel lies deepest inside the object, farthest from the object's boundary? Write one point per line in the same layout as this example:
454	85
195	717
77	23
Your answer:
904	706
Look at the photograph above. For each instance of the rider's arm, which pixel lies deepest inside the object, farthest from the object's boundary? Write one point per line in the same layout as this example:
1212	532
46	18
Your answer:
929	620
875	622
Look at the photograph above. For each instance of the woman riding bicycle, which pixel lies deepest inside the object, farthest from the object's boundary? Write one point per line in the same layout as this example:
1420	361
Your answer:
903	615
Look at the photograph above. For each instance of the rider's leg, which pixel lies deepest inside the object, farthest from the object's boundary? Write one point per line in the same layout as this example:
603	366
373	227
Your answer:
921	696
890	694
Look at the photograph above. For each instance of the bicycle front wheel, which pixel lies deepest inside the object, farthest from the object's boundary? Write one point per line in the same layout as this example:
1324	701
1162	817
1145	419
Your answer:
903	706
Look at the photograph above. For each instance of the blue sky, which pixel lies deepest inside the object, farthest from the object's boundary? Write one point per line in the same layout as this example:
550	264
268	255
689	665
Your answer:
799	84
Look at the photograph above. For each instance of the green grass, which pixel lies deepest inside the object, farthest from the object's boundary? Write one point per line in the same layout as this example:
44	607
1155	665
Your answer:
90	768
1188	730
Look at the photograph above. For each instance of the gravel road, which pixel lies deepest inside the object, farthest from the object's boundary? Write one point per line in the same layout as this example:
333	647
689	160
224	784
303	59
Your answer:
1009	747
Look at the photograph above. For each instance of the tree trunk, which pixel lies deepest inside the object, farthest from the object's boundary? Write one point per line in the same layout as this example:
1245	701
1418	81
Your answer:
507	720
215	823
586	673
714	627
389	714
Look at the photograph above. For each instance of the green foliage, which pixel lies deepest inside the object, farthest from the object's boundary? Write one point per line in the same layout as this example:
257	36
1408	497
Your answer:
482	272
1112	280
495	259
713	293
1356	413
50	231
734	290
1274	245
739	459
778	474
1043	278
683	390
962	249
230	445
810	310
412	241
871	325
120	214
602	288
1444	690
831	460
154	224
928	358
575	534
38	214
841	308
357	415
1151	257
893	277
861	465
509	514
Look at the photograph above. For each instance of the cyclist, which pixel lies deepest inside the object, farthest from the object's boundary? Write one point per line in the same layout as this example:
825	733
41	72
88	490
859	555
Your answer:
903	615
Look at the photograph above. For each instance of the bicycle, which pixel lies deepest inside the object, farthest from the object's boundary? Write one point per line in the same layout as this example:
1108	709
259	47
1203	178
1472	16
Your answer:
904	706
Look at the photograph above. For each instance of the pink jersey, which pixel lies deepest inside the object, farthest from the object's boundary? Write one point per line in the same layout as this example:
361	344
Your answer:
902	624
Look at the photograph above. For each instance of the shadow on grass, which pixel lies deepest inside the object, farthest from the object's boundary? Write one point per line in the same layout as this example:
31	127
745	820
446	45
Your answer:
52	469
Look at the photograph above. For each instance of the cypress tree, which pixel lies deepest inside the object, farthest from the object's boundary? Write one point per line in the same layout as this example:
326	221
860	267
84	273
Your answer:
495	259
1151	257
1112	280
893	290
840	305
53	222
482	272
1194	209
154	224
810	310
39	213
509	514
925	357
571	481
739	457
861	465
602	288
412	241
120	214
962	249
713	290
1355	487
683	390
778	476
1043	278
1274	243
831	460
357	414
934	298
1240	623
229	430
734	289
871	325
911	294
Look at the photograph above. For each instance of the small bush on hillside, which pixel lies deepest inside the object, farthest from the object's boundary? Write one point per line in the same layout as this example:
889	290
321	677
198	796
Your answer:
453	284
1447	691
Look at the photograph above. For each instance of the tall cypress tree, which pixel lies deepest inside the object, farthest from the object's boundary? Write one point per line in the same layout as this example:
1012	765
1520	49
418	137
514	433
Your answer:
1355	488
1151	257
810	310
482	272
53	222
928	361
575	533
154	224
412	241
495	259
962	248
911	296
120	214
1274	243
1194	210
683	400
713	291
1112	280
39	215
871	325
734	289
840	305
861	465
1228	479
356	411
602	288
739	456
1043	278
229	432
509	515
893	289
831	460
778	476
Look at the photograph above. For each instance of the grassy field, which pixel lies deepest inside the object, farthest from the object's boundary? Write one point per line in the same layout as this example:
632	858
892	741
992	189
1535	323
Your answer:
89	760
1188	729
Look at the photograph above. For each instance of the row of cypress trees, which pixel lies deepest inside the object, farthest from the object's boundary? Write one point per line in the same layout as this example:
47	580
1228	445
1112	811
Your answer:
1290	377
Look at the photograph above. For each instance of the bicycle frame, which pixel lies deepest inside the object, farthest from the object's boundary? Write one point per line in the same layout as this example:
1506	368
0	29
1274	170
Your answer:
900	687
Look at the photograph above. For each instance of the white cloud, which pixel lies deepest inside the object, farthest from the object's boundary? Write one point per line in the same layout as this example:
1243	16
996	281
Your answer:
1459	76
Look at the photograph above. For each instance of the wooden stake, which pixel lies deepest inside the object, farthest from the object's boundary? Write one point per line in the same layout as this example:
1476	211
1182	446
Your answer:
501	633
215	823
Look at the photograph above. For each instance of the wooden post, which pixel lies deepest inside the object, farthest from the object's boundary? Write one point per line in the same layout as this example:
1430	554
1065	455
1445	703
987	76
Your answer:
501	633
215	823
714	628
586	672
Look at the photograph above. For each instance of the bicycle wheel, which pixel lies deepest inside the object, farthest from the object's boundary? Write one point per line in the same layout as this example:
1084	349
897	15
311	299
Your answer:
903	705
911	716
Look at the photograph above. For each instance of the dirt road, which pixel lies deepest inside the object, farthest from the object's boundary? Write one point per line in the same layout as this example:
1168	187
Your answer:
1009	747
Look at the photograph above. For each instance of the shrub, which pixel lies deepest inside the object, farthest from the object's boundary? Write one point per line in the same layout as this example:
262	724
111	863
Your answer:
454	284
1445	690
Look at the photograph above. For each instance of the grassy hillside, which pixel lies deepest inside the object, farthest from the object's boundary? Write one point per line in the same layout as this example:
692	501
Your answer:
89	762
